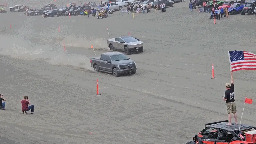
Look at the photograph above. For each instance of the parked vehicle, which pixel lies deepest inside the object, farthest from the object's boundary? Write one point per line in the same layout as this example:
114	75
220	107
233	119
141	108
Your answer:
248	8
121	4
50	13
62	11
177	1
115	63
2	9
49	7
33	12
102	14
112	6
236	8
18	8
127	44
221	133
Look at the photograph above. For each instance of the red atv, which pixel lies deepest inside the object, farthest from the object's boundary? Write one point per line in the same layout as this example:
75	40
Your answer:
221	133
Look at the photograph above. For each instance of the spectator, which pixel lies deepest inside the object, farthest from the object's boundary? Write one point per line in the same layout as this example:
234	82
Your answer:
204	5
25	105
230	100
221	12
191	6
2	102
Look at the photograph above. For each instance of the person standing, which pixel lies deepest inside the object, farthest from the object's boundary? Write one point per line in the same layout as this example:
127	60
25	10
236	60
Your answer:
2	102
226	12
230	100
204	5
191	6
25	105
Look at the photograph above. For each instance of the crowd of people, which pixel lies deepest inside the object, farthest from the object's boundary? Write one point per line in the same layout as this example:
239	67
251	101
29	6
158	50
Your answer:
219	9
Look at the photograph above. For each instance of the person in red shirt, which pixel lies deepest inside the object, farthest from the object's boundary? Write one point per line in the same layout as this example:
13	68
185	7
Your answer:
25	105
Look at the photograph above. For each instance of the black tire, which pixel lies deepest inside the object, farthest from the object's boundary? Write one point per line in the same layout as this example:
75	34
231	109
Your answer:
115	73
242	13
141	49
96	67
120	7
111	47
127	50
134	71
249	12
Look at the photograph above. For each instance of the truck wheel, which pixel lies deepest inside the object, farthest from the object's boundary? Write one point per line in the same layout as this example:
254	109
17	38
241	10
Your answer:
96	67
115	73
127	51
141	49
134	71
111	47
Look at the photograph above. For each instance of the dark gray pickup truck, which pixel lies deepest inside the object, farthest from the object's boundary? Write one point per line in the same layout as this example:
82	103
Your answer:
115	63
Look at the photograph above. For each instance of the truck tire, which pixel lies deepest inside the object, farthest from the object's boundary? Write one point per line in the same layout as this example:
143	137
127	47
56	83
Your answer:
111	47
127	50
115	73
96	67
134	71
141	49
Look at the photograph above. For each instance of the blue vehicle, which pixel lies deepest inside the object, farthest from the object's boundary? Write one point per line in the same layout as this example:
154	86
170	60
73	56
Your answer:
236	8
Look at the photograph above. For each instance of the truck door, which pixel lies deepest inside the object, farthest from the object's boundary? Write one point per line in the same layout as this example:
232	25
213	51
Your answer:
104	64
119	43
108	65
116	43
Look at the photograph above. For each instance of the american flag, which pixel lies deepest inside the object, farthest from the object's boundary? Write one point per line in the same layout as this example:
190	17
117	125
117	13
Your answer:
242	60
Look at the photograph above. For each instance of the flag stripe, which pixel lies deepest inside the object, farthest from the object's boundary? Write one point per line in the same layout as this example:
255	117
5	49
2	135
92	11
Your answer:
243	69
244	66
247	62
242	60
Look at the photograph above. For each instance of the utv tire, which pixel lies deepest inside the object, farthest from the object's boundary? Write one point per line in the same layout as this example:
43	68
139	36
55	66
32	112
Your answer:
115	73
249	12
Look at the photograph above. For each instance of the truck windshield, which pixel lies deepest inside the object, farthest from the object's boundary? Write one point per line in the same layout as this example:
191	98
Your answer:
129	39
119	57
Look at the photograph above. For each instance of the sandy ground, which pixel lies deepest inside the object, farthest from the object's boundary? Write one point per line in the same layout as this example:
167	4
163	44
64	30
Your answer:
167	101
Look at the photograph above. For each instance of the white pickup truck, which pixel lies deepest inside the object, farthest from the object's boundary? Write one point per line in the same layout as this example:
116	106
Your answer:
122	3
112	6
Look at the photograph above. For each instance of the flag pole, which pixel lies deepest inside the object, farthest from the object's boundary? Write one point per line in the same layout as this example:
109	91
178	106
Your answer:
241	117
229	61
